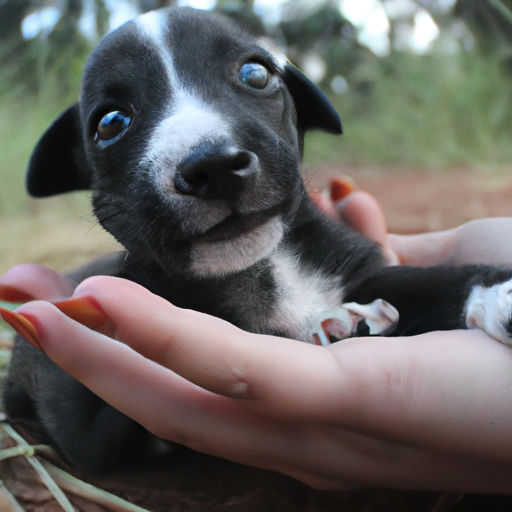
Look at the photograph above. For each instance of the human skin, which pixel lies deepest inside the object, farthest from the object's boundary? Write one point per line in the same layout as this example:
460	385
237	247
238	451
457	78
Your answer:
430	412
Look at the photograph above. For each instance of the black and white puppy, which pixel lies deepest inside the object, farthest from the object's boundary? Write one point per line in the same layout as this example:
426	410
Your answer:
189	132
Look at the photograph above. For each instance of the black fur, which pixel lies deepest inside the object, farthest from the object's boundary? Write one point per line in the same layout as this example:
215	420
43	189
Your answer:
161	209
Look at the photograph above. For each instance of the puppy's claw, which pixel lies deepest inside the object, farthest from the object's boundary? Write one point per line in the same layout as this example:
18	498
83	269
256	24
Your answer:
332	325
319	338
336	325
379	315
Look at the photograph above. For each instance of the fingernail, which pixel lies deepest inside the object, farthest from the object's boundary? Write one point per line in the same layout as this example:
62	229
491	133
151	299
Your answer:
12	294
84	310
22	325
341	188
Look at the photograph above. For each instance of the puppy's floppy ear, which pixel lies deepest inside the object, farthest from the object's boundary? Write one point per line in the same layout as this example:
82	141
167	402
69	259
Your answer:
314	110
58	163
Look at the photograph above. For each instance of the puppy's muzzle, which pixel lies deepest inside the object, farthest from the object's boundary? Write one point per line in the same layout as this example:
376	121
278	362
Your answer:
216	171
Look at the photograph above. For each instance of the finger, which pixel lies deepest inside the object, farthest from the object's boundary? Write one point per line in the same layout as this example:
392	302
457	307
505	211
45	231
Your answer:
357	209
167	405
339	188
34	282
154	396
361	211
324	203
422	250
214	354
457	246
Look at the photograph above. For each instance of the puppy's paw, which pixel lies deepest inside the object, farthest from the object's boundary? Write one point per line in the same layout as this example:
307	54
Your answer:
490	309
379	316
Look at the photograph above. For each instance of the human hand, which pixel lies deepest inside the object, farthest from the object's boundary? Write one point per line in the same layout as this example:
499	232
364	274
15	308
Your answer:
429	412
478	242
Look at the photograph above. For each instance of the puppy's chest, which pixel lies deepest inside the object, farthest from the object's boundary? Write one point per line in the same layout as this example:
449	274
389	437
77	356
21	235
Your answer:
288	300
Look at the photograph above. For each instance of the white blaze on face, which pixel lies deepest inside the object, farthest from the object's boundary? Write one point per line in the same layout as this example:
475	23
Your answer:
189	123
153	28
189	120
153	25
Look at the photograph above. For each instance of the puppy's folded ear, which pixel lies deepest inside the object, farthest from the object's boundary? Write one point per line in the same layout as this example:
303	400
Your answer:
314	110
58	163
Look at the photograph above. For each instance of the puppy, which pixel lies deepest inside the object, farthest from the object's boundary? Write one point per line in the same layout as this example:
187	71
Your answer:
189	132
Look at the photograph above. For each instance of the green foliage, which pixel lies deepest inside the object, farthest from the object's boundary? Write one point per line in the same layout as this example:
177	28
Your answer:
22	122
435	111
5	332
25	64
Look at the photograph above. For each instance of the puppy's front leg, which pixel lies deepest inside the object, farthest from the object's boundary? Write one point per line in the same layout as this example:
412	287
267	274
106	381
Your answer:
86	432
443	298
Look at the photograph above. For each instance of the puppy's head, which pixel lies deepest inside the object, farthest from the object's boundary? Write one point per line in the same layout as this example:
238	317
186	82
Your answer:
189	134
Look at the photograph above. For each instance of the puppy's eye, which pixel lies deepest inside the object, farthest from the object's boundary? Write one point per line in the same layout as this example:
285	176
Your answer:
254	75
113	125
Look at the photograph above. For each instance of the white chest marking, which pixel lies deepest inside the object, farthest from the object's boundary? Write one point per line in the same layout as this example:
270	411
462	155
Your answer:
303	294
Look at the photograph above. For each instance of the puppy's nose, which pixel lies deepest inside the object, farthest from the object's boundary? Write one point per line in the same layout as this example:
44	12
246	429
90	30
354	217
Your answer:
215	171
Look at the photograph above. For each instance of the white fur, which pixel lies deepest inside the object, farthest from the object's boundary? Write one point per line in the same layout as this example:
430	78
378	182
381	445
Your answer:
490	309
380	315
279	57
153	27
222	258
303	295
190	122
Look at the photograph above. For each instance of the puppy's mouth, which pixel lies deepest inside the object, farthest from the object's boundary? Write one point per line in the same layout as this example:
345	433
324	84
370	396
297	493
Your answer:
234	226
235	244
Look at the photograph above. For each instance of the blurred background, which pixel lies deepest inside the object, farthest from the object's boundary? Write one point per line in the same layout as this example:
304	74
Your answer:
423	88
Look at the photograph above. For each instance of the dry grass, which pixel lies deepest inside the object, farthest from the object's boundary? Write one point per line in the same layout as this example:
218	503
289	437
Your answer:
60	233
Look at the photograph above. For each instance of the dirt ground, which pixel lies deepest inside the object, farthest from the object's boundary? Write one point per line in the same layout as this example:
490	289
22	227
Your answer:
413	202
418	201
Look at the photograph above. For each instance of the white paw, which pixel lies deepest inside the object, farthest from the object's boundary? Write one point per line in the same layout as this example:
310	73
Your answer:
490	309
341	323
